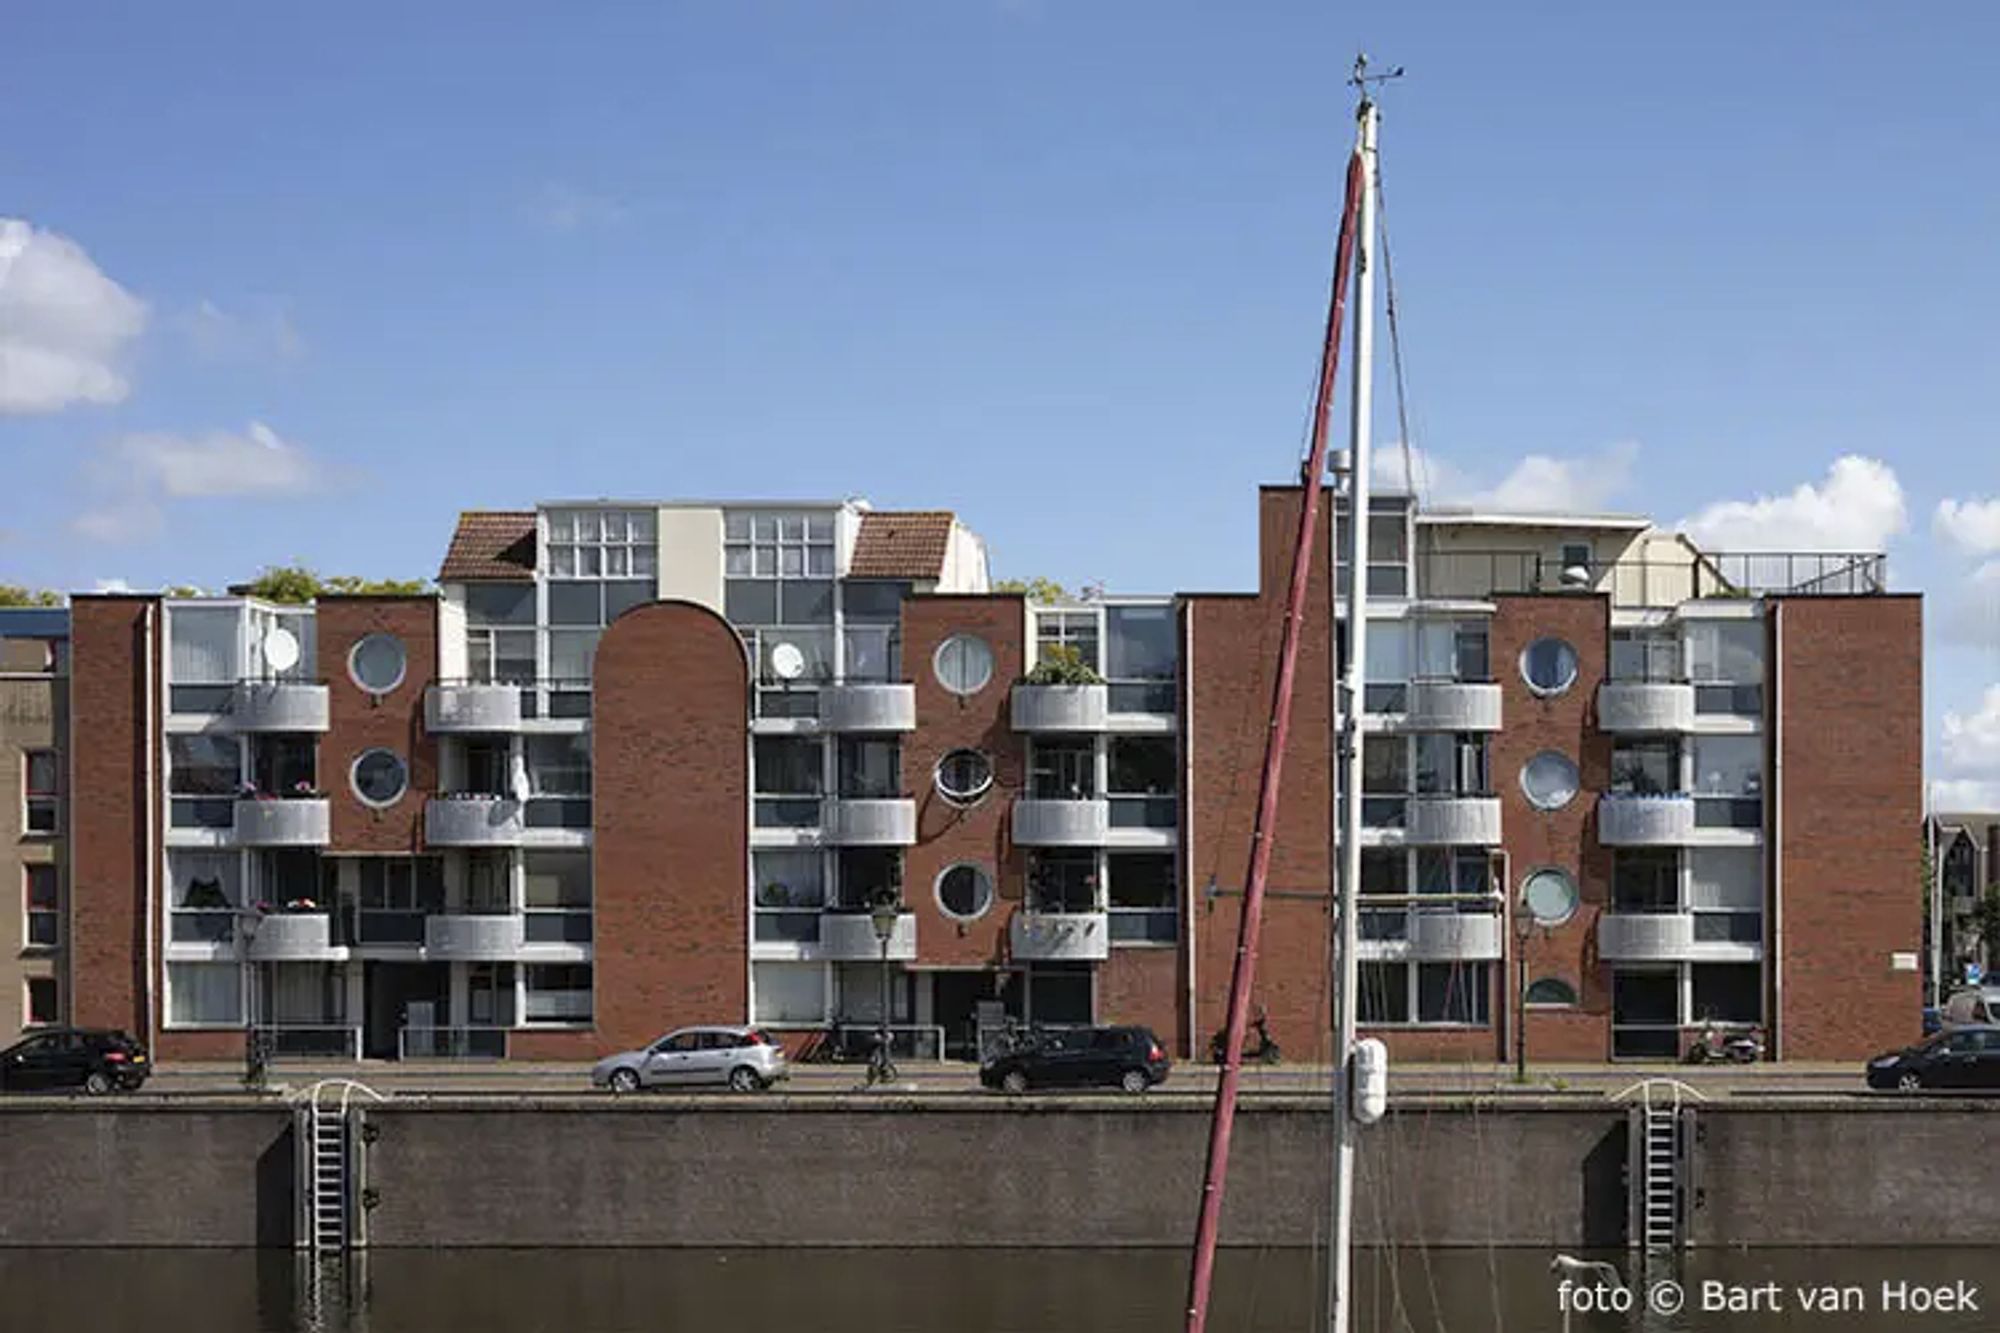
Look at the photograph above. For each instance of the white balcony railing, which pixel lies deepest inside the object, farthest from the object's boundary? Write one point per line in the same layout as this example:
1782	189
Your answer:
1082	823
1645	706
473	937
290	937
1455	937
295	821
1453	821
469	706
1059	936
1059	708
876	707
1645	821
472	821
279	705
870	822
850	937
1449	705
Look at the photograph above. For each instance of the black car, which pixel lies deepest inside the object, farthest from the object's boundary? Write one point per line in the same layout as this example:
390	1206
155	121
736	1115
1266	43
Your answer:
1112	1057
98	1060
1961	1057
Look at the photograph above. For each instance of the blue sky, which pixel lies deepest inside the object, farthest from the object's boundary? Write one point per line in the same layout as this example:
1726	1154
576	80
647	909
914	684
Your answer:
329	276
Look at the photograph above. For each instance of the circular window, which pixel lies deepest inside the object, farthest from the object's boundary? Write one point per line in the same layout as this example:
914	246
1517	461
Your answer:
1550	780
1550	991
377	663
963	664
964	892
1549	666
963	776
380	777
1549	896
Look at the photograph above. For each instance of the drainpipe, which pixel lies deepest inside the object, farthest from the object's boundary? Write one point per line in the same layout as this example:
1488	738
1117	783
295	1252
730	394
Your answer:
1187	823
153	683
1774	932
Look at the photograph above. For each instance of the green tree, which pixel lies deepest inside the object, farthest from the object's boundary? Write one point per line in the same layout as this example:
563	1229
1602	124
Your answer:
297	584
13	594
1986	917
1037	589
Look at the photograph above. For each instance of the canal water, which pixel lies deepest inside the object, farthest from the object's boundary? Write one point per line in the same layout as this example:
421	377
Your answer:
950	1291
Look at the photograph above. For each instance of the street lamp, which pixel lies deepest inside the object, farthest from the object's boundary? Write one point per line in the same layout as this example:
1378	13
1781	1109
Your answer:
254	1059
883	918
1524	927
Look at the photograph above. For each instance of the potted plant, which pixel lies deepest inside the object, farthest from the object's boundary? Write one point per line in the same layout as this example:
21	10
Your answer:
1062	664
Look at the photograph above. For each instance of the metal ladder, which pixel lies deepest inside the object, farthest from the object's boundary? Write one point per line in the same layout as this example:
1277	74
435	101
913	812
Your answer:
326	1164
1659	1171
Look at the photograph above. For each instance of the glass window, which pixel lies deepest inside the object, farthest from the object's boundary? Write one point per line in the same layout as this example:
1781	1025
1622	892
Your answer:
1552	992
576	604
788	993
868	875
42	790
1141	879
377	663
873	601
1139	643
963	776
1384	870
1075	631
499	603
1730	651
557	992
1549	896
750	602
1436	644
1645	768
1062	881
1725	878
44	1004
1385	993
43	906
788	766
203	644
1060	770
559	765
963	664
204	764
1452	993
1550	780
556	880
1549	666
1385	767
204	994
380	777
964	891
505	656
809	603
572	654
1645	879
1638	654
1728	992
1728	765
869	767
1143	765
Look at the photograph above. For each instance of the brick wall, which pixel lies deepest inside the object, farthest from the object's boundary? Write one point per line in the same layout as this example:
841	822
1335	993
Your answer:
1850	773
33	716
360	721
670	802
1566	839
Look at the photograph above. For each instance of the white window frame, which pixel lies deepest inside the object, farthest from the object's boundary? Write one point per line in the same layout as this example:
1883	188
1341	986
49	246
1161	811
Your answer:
32	800
561	531
29	912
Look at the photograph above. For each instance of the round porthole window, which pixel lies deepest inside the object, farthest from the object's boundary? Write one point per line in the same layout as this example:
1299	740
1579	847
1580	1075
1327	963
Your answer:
964	891
963	664
1551	991
380	777
1549	780
377	663
1549	666
963	776
1549	897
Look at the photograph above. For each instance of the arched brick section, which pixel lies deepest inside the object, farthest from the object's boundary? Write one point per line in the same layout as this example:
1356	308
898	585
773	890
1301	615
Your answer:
670	811
361	721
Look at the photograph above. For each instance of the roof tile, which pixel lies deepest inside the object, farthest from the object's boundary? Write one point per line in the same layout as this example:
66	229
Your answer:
906	545
491	544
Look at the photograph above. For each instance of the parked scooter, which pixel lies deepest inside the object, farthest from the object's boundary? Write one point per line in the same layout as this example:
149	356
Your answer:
1744	1046
1257	1045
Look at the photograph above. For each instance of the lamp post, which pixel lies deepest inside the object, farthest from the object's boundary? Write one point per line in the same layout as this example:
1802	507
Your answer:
1524	926
883	918
253	1040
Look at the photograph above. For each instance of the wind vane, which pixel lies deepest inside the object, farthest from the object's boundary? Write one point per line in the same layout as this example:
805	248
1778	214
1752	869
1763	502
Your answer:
1361	78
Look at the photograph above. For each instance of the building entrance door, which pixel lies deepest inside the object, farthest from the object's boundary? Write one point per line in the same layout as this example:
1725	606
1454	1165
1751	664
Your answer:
393	990
955	1002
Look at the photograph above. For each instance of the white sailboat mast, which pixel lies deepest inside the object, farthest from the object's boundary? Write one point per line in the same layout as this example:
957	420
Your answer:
1340	1272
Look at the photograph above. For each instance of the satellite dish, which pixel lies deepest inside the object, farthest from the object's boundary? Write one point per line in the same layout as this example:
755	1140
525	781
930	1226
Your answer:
787	662
281	650
1576	576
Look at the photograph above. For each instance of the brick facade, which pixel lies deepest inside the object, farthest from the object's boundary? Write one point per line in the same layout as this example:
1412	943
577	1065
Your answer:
361	721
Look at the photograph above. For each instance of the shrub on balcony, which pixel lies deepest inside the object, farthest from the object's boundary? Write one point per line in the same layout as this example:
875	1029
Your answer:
1062	665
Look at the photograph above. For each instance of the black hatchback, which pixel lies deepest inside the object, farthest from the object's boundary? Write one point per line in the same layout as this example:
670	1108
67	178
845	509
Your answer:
1960	1057
97	1060
1112	1057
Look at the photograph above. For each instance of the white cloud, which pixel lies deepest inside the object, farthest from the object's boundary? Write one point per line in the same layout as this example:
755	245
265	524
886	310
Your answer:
1970	742
1970	612
63	324
1537	484
1965	795
113	585
565	208
1971	525
1857	507
135	474
250	335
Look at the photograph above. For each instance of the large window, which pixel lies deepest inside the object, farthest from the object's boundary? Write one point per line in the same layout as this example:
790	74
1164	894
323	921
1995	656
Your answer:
204	657
1645	654
790	891
204	995
1062	770
1058	632
1728	992
559	778
1645	768
778	589
867	875
1140	656
780	545
1645	879
1726	663
500	632
1726	894
1435	994
1729	781
869	767
1144	899
1143	774
557	993
43	907
1063	881
602	543
557	896
44	1003
42	788
205	889
204	776
787	778
396	894
788	994
1388	551
1448	765
284	766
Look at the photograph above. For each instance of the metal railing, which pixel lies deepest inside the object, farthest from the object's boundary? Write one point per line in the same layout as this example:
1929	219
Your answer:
1479	574
848	1041
321	1041
452	1043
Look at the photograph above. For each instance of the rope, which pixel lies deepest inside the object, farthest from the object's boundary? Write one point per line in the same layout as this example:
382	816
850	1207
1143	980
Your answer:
1417	488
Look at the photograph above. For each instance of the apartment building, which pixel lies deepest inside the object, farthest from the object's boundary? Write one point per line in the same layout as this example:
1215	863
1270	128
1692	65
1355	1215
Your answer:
638	764
34	724
1967	847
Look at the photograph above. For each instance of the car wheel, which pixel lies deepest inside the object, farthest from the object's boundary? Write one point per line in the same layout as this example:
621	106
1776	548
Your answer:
1910	1081
1015	1082
624	1080
97	1083
744	1079
1135	1081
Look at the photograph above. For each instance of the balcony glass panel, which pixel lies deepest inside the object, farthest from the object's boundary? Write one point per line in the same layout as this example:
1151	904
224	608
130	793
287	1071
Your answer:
560	927
1144	811
1152	926
1729	700
787	811
787	927
1729	927
390	927
1140	696
557	812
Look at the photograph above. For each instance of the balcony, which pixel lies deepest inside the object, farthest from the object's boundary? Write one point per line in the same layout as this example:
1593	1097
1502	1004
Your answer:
279	705
297	821
868	708
849	937
1645	705
1049	937
1444	821
1673	937
469	706
1645	821
291	937
473	821
1455	937
861	822
1060	708
1449	705
1061	823
477	938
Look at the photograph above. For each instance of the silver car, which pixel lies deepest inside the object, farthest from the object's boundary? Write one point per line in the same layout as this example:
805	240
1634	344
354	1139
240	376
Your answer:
744	1059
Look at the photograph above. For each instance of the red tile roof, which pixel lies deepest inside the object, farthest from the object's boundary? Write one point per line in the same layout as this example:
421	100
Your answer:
906	545
491	544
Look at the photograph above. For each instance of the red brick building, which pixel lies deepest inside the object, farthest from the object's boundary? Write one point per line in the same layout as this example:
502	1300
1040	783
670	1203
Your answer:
639	765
